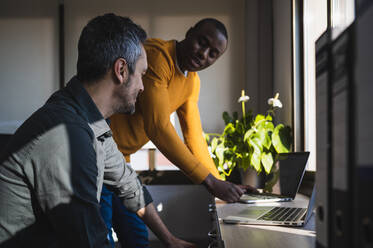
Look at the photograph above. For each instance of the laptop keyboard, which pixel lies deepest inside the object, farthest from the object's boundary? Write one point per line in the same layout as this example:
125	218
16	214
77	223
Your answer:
284	214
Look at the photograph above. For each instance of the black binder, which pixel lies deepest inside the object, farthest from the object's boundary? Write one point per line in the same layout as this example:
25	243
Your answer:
352	135
363	129
344	112
323	138
342	148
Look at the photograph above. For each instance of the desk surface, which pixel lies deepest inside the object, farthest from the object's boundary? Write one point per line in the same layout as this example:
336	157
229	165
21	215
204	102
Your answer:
236	236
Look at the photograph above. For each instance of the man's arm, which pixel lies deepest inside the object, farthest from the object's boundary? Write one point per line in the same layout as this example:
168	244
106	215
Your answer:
66	187
191	126
123	180
162	133
190	123
155	106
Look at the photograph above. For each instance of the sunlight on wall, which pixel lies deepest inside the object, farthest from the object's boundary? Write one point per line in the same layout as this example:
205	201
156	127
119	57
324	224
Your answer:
315	23
28	65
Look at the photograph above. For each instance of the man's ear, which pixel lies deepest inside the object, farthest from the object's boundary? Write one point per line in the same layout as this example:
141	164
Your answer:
121	70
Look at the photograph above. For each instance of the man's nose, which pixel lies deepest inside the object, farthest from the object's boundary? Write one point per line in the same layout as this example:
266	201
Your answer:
203	53
141	87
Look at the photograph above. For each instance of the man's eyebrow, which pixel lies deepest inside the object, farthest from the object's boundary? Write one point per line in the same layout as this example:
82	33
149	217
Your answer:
208	40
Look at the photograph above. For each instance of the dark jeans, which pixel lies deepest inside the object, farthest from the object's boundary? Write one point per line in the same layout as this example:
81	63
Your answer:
130	229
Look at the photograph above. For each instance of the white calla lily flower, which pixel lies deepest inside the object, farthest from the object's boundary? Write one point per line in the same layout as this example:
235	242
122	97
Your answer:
243	99
275	102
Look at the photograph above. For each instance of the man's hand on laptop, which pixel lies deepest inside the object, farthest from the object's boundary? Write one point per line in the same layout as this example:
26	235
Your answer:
248	189
224	190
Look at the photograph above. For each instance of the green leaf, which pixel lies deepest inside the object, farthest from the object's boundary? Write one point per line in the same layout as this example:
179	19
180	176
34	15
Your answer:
269	118
248	134
229	129
267	161
220	153
234	148
267	142
255	157
258	118
214	144
240	128
269	126
261	135
226	117
257	139
281	138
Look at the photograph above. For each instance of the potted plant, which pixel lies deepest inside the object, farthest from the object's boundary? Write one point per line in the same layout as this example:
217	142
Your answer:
250	141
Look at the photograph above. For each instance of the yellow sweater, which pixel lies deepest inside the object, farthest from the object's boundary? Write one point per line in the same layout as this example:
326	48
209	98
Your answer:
167	89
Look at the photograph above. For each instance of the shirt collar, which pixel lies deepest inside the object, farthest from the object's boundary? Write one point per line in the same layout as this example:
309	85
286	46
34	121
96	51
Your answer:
185	73
88	108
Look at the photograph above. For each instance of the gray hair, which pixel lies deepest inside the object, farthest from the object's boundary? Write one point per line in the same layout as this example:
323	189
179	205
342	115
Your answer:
105	39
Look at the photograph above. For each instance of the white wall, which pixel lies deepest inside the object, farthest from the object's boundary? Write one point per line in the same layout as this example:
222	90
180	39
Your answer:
168	19
28	56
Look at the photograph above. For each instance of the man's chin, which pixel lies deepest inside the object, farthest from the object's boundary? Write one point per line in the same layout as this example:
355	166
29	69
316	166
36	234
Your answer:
194	69
128	110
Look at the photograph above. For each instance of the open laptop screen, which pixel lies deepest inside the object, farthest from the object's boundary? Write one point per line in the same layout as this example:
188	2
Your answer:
291	170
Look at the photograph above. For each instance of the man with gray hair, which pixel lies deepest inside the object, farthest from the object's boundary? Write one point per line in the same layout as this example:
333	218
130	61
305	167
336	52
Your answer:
53	169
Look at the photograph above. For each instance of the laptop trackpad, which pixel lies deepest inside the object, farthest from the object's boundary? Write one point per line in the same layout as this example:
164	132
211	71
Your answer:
253	212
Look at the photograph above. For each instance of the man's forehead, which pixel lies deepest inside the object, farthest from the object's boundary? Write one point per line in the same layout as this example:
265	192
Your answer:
207	27
212	31
143	52
143	58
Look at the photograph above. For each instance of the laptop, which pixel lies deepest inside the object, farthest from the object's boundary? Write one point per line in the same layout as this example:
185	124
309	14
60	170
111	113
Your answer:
291	170
280	216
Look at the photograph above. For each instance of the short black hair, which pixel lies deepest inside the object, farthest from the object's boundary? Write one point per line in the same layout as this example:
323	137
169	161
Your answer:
218	24
105	39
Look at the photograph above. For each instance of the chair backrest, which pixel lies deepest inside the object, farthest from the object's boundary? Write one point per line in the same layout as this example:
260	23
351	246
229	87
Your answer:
4	139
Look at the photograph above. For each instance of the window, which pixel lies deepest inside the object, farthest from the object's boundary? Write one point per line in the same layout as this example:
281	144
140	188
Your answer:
342	15
315	23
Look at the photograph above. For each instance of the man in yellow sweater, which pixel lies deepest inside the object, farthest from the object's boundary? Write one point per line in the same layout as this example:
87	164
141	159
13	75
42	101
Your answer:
172	84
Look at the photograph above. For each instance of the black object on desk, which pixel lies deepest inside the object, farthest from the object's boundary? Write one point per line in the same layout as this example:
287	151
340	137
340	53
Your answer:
323	140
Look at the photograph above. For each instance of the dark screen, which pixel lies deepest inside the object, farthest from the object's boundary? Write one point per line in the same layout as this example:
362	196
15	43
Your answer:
291	170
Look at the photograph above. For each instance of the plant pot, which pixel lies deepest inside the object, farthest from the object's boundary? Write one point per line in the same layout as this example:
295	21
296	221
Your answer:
235	176
252	178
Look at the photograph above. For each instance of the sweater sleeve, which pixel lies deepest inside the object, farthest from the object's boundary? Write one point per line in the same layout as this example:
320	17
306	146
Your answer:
191	126
155	106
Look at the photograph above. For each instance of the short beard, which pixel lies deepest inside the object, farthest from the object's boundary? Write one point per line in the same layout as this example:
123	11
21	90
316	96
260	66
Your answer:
128	109
125	107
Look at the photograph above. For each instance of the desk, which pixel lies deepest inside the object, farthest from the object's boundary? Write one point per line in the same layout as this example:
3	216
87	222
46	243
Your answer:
236	236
